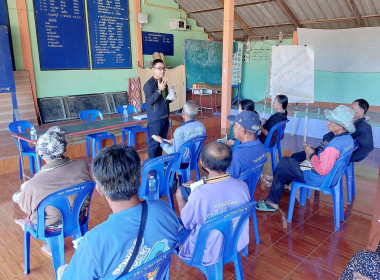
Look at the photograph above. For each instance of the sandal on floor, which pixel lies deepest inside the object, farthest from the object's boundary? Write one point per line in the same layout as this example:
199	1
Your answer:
262	206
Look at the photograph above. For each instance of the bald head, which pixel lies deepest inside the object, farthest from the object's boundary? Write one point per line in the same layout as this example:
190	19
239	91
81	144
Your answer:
216	156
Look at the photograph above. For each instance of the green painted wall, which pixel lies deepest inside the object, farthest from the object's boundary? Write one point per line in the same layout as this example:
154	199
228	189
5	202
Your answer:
15	34
159	21
75	82
328	86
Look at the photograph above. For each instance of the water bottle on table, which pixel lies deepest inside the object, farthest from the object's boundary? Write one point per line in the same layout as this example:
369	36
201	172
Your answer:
33	133
318	112
125	114
152	185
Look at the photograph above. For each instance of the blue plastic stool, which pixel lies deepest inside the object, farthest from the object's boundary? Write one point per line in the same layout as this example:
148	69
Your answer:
18	127
331	185
131	132
70	222
94	139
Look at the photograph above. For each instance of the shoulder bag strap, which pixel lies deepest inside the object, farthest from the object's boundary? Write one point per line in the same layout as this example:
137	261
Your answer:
144	216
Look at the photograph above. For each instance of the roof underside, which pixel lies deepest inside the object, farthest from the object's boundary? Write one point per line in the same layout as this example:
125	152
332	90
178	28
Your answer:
261	19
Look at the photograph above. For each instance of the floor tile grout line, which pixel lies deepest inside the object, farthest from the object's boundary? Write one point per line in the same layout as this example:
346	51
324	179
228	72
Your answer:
320	245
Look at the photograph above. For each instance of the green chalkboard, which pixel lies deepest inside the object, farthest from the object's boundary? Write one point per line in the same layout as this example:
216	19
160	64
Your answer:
203	61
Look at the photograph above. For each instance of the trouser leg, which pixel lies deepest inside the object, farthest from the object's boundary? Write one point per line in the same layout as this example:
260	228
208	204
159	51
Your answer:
160	128
300	156
286	171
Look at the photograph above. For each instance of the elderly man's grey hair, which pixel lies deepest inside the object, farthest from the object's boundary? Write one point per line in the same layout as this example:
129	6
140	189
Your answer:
191	108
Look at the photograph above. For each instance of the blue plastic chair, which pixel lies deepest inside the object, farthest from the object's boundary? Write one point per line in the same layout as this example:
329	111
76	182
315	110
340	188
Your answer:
143	107
18	127
251	177
276	147
192	148
130	109
161	168
95	139
131	131
70	222
331	185
157	268
224	223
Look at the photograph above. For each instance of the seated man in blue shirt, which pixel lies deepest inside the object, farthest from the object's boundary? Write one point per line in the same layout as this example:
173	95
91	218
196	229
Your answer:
250	151
187	130
105	250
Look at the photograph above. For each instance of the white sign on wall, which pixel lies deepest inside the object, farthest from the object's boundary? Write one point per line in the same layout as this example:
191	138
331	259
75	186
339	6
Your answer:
292	73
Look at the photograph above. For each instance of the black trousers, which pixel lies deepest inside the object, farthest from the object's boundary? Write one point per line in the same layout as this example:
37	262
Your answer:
300	156
159	128
286	171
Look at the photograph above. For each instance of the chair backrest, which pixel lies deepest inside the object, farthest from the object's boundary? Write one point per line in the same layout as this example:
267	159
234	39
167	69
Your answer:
252	176
69	213
130	109
278	129
90	115
156	268
229	224
191	149
161	168
336	173
143	107
18	127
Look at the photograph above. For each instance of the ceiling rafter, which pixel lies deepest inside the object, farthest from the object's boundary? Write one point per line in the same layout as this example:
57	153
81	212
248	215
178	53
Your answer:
236	6
239	20
356	13
302	23
290	14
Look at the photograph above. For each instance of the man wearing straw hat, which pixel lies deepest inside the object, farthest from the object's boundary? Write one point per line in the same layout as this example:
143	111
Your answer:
340	123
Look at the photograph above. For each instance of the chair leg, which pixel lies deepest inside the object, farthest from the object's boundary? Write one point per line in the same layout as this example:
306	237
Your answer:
93	148
308	193
238	268
350	182
214	271
31	165
57	247
335	193
292	199
114	140
19	168
341	208
303	193
255	227
26	252
87	147
123	137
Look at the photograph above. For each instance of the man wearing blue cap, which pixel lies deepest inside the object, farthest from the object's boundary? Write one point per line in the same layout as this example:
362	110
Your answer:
250	151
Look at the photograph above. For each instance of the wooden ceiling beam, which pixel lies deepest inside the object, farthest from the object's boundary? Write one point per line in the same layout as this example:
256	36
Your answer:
302	23
290	14
356	13
239	21
236	6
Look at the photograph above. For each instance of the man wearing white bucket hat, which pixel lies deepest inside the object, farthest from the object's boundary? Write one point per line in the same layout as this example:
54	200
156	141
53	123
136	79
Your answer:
340	123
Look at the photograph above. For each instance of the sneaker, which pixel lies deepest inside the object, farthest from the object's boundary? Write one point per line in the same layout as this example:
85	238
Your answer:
16	196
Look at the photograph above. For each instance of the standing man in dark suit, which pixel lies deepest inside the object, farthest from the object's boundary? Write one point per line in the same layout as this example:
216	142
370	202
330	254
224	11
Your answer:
157	107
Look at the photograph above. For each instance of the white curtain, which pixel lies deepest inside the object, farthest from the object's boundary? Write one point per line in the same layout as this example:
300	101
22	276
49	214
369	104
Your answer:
344	50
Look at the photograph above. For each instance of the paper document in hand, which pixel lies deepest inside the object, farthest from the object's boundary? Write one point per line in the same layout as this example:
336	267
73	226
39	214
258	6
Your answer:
169	141
170	96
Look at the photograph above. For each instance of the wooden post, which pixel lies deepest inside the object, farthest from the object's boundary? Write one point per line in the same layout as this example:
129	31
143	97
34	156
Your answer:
26	48
138	34
228	32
